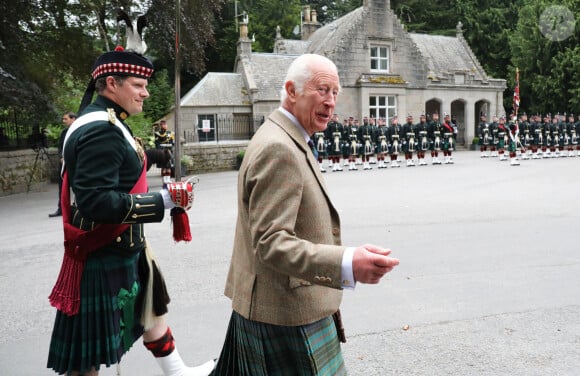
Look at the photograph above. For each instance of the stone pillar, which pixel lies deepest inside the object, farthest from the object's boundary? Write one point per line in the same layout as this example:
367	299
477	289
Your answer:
468	111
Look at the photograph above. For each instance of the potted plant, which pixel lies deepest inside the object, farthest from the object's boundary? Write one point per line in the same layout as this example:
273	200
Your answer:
186	164
474	143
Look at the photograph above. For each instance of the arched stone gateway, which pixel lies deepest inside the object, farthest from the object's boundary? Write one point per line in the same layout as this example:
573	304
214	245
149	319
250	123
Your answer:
433	105
482	106
458	116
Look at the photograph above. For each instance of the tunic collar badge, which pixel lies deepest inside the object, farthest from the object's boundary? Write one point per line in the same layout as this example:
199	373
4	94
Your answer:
112	115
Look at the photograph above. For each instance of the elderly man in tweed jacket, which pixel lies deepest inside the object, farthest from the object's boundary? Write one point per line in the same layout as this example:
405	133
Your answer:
288	266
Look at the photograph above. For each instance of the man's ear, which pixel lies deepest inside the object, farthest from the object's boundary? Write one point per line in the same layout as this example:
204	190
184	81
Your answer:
112	83
290	90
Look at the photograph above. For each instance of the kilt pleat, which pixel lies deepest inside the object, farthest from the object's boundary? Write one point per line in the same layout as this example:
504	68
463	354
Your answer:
94	335
257	349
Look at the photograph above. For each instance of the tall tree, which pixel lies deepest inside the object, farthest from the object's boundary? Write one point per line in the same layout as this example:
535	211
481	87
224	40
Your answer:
548	64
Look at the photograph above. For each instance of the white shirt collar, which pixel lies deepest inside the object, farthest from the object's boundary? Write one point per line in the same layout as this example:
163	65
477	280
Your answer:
295	122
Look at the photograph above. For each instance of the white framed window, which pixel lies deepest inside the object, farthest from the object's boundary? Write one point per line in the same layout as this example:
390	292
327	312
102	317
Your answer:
383	106
379	59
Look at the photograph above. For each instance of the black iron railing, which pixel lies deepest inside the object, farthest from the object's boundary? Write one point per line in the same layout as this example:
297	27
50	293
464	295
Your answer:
224	128
19	130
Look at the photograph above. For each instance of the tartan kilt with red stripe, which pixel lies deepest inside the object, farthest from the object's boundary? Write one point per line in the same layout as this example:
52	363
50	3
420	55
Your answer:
108	322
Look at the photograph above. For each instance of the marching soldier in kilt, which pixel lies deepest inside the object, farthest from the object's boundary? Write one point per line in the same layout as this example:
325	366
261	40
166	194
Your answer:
494	137
547	133
537	137
513	132
409	140
359	147
333	134
526	136
110	291
564	136
374	129
422	131
365	140
352	145
346	139
165	141
555	136
381	143
163	136
484	134
394	134
320	144
573	133
448	139
502	138
435	138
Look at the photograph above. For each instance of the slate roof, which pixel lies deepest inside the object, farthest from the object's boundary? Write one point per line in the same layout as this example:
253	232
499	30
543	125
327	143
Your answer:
292	46
445	55
326	39
217	89
268	72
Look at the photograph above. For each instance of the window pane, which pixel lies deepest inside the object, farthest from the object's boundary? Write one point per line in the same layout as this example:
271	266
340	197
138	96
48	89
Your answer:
373	51
381	101
373	101
374	64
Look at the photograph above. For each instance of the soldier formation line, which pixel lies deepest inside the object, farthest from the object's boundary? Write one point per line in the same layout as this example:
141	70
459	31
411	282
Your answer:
539	137
350	144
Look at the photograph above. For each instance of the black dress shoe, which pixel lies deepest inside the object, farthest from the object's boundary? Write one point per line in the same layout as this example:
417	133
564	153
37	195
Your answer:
57	213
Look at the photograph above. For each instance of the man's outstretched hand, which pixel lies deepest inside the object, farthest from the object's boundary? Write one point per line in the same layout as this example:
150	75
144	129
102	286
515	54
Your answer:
370	263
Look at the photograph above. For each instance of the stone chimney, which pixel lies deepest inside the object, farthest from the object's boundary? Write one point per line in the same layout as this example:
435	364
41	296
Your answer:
379	23
244	43
310	22
380	3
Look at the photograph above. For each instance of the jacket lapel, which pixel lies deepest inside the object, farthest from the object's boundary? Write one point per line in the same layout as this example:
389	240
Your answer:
286	124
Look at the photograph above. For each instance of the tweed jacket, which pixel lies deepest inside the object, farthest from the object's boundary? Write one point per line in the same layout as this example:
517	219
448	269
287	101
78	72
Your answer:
287	254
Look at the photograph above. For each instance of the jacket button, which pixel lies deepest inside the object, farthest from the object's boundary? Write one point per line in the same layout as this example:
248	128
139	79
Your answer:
119	239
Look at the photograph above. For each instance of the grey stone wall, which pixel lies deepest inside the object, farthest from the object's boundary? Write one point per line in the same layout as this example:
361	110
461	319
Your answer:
211	157
24	171
18	174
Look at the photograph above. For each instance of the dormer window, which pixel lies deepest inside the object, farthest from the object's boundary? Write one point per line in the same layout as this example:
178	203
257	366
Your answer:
379	59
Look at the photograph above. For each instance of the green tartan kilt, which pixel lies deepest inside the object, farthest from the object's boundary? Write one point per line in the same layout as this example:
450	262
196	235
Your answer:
257	349
107	324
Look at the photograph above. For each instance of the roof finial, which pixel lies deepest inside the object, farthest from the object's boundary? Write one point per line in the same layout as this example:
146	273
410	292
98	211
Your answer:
459	28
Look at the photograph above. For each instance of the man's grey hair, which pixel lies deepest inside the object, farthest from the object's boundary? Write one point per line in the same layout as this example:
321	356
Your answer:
300	71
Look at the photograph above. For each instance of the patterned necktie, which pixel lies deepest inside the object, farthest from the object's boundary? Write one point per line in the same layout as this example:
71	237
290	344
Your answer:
313	148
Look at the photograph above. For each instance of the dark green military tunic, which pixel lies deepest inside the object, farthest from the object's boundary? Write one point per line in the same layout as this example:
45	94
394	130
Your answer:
103	167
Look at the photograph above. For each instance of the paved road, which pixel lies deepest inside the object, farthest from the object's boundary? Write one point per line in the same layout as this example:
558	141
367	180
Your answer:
489	281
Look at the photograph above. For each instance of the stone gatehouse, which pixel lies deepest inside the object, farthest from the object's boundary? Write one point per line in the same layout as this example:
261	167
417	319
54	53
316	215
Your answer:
384	70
